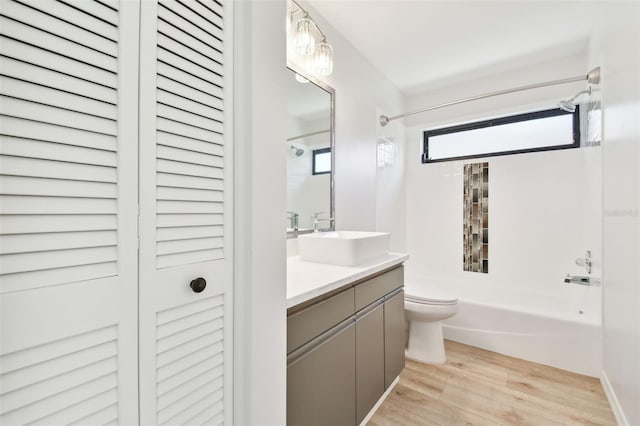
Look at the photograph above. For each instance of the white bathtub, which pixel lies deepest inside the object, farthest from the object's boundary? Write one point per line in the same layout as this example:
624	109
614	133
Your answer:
562	329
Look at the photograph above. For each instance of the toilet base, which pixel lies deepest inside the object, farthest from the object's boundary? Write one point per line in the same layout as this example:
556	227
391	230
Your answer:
426	342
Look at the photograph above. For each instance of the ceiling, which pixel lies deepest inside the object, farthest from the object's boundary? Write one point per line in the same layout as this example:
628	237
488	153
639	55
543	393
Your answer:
425	44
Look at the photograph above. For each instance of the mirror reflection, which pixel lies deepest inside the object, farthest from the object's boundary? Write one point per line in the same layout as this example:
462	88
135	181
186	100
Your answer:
309	154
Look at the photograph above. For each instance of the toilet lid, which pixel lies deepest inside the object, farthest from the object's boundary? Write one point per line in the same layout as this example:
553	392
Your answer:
430	295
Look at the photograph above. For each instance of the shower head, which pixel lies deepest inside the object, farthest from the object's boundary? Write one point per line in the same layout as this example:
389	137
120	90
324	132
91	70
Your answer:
569	104
299	151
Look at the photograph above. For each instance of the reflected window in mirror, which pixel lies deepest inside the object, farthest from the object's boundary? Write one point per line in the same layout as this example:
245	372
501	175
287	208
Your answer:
310	142
321	161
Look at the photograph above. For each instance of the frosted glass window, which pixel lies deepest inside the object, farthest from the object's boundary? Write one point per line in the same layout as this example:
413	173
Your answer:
537	131
321	161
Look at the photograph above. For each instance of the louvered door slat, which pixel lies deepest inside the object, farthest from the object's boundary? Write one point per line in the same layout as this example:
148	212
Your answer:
44	77
172	80
29	148
34	224
35	93
38	261
33	205
31	16
214	146
99	11
57	45
193	56
30	167
187	39
29	243
75	16
45	132
185	181
36	279
183	194
49	60
188	169
19	185
187	156
100	417
51	115
188	207
170	260
186	104
212	123
172	234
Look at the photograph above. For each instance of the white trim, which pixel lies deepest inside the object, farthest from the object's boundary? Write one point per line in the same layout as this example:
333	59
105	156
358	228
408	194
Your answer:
379	403
621	419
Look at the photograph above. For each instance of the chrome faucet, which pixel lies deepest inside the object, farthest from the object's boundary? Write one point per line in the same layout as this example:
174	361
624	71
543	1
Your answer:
293	218
317	220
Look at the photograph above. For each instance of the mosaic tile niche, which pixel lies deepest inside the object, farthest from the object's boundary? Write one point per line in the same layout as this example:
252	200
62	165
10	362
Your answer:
476	218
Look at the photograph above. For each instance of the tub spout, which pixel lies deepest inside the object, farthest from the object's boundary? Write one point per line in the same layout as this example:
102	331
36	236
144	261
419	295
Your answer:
576	279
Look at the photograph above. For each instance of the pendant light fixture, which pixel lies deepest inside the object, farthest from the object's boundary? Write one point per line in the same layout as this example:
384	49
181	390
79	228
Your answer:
303	33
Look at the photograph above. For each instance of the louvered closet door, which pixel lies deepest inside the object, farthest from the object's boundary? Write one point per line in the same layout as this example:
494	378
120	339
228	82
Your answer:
185	213
68	276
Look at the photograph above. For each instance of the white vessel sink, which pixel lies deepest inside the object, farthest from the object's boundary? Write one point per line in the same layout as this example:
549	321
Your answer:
346	248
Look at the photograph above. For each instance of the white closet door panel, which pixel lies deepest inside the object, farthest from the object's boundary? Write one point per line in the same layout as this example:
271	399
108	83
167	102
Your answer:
23	185
31	167
30	205
68	212
99	11
212	147
172	80
173	12
185	212
74	15
52	133
46	78
36	93
62	28
21	147
190	118
188	169
183	103
57	45
188	207
27	243
53	115
193	182
51	277
186	156
172	234
52	61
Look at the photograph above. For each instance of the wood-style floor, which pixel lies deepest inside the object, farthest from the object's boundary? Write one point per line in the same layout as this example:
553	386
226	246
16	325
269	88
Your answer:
479	387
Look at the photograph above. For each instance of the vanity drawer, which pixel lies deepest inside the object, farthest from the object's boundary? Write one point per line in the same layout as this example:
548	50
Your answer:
373	289
304	325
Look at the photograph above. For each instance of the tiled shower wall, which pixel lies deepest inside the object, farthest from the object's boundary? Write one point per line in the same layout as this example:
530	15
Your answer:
476	217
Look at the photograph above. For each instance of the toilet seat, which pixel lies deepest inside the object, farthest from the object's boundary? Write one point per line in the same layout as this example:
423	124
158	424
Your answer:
430	296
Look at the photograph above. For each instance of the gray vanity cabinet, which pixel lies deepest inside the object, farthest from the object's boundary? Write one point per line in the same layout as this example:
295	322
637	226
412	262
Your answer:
370	351
321	379
344	349
394	336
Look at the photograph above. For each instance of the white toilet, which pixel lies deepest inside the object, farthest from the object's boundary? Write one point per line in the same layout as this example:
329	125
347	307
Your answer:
425	307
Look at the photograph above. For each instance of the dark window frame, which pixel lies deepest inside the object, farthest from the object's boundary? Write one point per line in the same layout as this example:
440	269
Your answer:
313	165
498	122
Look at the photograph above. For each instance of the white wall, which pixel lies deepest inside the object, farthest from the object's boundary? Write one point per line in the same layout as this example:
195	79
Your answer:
360	91
544	208
260	203
616	45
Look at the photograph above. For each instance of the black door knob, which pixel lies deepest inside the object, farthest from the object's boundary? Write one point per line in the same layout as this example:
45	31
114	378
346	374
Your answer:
198	285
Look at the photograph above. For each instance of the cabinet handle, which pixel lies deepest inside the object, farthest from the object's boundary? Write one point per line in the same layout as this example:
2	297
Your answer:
198	285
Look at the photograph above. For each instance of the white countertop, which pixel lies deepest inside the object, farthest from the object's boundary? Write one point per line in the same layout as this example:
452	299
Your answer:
306	280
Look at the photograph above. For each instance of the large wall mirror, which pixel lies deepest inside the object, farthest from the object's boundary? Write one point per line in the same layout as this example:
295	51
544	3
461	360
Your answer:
310	143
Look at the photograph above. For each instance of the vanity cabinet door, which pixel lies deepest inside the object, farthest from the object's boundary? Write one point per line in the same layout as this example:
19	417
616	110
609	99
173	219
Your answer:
321	379
369	358
394	336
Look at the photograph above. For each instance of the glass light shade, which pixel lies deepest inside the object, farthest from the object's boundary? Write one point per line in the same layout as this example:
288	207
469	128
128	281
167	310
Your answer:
304	41
323	59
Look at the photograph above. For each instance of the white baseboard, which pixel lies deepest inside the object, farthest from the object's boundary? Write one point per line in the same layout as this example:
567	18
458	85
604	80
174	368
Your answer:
379	403
613	400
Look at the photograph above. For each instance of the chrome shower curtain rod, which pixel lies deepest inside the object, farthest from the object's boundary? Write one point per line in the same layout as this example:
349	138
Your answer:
592	77
308	134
